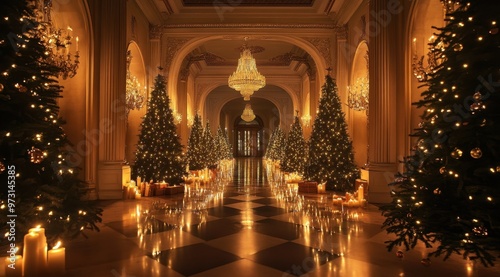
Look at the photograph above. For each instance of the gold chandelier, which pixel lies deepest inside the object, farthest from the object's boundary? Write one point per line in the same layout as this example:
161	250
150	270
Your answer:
248	114
57	41
357	99
134	96
246	79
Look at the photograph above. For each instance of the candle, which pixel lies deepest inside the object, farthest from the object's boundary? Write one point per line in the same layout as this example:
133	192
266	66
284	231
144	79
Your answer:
77	44
14	266
57	260
360	194
32	252
139	180
137	195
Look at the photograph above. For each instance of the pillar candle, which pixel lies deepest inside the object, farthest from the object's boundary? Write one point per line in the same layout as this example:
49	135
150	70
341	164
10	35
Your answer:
57	260
139	180
14	268
32	251
360	194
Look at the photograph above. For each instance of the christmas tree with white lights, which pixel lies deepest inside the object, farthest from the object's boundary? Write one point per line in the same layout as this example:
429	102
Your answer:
272	137
295	155
196	152
210	147
448	196
277	151
331	156
159	155
40	186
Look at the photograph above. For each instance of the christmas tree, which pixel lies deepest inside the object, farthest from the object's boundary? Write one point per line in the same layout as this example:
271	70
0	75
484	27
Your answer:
228	148
40	186
331	157
159	155
277	150
223	148
272	137
448	196
210	147
294	157
196	151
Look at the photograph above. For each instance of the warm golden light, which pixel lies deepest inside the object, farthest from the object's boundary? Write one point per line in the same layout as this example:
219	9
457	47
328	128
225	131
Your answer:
246	79
248	114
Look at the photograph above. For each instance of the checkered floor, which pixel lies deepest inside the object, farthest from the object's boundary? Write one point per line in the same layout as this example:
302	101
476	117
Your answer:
244	229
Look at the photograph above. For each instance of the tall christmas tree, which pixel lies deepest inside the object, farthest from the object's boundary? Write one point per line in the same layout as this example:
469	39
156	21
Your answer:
448	196
272	137
159	155
278	147
295	155
223	148
229	147
210	147
196	151
331	156
39	184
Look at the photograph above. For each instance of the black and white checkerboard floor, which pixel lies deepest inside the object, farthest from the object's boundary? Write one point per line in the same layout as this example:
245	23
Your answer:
244	229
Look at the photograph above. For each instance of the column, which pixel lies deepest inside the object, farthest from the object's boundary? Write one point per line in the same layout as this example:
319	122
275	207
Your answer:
110	25
382	116
343	57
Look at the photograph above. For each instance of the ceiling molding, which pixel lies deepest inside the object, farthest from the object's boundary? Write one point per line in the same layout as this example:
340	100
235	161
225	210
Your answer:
250	3
248	26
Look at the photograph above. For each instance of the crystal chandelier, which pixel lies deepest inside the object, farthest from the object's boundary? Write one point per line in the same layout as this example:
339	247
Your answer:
134	96
246	79
57	41
357	98
248	114
421	71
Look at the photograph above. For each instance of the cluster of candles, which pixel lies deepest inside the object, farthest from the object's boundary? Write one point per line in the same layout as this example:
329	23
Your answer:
36	260
351	200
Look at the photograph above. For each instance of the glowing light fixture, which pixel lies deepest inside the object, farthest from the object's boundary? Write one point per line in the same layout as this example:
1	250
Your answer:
246	79
248	114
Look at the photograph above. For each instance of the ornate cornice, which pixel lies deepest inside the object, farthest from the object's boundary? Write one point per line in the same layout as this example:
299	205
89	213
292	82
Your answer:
323	47
173	45
341	31
155	31
244	25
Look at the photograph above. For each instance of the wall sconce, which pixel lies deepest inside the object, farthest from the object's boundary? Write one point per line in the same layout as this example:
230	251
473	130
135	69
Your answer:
190	120
306	120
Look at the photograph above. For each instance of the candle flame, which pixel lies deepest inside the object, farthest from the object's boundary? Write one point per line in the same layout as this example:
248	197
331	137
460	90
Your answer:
38	227
58	244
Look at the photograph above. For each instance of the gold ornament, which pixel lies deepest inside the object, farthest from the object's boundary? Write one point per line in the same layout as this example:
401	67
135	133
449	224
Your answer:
476	153
36	155
442	170
498	168
426	261
22	89
458	47
2	167
456	154
477	106
1	87
477	96
400	254
437	191
494	31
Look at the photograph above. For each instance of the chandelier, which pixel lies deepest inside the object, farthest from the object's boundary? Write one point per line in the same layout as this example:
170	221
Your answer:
248	114
246	79
57	41
134	96
306	120
422	71
357	99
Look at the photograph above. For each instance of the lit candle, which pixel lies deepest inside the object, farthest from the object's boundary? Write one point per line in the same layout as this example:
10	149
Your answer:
360	194
32	251
14	266
139	180
57	260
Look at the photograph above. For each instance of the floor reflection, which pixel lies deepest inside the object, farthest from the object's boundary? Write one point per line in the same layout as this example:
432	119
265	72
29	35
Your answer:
252	224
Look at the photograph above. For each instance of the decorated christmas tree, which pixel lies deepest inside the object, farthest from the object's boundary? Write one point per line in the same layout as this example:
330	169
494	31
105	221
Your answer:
294	157
210	147
331	157
196	152
223	149
277	150
267	154
159	155
40	186
448	196
228	148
